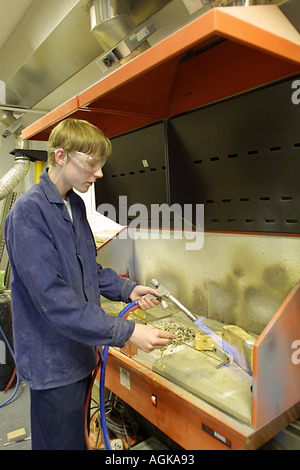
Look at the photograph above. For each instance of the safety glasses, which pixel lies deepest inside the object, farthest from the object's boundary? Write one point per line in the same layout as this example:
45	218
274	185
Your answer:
88	163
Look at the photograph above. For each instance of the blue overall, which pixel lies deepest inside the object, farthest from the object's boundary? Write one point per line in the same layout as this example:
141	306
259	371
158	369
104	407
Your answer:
56	285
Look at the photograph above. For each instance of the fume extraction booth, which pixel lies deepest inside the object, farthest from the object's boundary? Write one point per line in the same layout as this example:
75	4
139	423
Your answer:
207	116
238	283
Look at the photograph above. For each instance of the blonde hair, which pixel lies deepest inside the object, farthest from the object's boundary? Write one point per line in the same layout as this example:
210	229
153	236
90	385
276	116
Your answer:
80	135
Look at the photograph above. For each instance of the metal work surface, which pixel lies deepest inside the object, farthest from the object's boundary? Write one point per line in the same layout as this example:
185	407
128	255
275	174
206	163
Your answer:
201	372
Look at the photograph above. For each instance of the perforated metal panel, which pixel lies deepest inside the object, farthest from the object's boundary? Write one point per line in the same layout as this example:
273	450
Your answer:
136	169
239	157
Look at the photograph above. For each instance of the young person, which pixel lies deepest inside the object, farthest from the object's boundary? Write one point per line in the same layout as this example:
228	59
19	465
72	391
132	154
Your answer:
56	284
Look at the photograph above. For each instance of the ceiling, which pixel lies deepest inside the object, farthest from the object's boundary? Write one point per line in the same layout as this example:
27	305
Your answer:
48	53
11	13
45	43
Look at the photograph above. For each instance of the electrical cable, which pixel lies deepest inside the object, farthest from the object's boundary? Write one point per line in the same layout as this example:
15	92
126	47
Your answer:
13	356
129	308
120	422
87	401
123	314
11	380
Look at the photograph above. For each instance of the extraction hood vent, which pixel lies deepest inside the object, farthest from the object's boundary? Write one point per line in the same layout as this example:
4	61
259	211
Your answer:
56	39
46	53
115	29
110	21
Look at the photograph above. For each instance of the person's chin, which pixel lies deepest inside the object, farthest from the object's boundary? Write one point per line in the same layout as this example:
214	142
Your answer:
84	187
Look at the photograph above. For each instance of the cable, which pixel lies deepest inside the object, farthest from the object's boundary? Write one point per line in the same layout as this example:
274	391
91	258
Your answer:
129	308
124	313
87	401
119	421
13	356
11	380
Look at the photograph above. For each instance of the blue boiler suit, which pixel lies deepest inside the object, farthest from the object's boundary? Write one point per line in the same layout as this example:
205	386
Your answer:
56	285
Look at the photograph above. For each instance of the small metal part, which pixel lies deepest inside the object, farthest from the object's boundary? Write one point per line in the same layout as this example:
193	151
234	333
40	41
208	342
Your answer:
226	358
160	288
14	127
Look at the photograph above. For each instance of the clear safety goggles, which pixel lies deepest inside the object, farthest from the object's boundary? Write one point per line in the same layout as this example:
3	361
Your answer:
88	163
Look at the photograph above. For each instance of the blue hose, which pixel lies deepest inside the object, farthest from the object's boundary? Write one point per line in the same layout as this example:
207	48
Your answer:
13	356
102	381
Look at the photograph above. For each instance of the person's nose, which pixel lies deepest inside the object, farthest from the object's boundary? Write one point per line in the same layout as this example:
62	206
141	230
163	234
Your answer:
98	173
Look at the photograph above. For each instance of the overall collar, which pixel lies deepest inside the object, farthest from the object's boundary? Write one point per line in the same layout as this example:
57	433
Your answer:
54	196
50	190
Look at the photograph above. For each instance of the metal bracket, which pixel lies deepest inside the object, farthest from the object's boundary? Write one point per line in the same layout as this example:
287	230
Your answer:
226	358
13	127
130	43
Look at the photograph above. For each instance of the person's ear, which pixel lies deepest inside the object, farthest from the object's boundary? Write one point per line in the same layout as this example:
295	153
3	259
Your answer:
60	156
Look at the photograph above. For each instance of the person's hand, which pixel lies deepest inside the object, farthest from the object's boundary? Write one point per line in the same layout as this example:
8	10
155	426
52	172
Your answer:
144	302
148	338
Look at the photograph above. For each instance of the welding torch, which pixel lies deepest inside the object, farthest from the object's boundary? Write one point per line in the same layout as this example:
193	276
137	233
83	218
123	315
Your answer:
217	348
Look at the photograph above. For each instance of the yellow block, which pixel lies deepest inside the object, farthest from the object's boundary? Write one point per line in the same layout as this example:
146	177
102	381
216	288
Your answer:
15	436
239	344
203	342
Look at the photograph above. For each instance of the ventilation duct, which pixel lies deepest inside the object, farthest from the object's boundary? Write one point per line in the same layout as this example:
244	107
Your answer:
110	21
51	43
10	180
114	28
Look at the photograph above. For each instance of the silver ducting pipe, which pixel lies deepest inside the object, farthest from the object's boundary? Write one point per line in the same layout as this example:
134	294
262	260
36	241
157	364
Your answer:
22	163
10	180
115	29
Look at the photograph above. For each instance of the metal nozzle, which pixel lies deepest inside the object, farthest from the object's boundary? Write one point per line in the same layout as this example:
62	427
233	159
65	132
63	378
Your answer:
166	293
